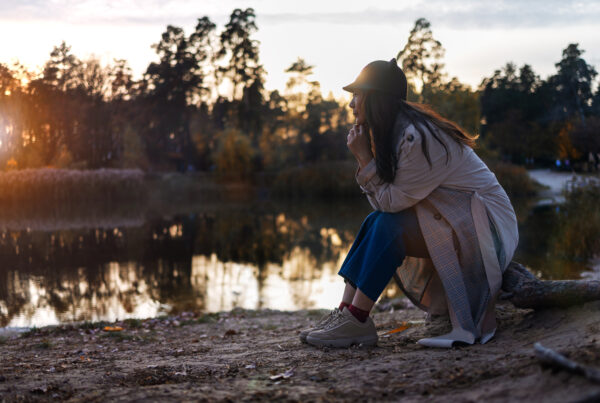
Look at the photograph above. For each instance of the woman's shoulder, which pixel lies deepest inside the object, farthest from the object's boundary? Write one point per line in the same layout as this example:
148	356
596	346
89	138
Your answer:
410	134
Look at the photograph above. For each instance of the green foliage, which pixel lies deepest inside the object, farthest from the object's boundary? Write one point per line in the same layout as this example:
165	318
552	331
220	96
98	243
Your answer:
242	51
234	156
585	136
529	118
421	57
578	233
171	85
80	113
573	82
514	179
134	152
457	102
422	62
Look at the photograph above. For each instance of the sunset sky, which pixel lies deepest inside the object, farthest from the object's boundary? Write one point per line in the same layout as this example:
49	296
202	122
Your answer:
338	37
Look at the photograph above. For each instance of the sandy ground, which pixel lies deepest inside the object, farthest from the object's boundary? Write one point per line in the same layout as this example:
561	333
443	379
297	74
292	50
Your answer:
256	355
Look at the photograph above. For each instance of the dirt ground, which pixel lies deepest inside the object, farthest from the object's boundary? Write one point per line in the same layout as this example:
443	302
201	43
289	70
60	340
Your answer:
256	355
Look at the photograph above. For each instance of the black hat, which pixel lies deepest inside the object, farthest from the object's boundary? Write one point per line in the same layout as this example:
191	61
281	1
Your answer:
381	76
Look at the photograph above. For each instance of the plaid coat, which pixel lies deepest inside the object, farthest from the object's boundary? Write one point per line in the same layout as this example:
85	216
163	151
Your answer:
468	224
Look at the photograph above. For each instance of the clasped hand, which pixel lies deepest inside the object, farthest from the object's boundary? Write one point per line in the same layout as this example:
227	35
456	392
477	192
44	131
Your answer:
359	145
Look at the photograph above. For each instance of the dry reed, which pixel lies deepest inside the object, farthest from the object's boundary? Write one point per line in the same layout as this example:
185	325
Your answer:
50	185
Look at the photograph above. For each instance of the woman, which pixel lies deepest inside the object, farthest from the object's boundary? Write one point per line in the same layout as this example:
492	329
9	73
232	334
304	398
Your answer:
443	226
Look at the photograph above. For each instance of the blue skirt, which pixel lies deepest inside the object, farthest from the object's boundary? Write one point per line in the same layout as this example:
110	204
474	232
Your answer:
384	239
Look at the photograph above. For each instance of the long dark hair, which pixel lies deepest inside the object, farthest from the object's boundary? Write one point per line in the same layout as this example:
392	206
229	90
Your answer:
383	109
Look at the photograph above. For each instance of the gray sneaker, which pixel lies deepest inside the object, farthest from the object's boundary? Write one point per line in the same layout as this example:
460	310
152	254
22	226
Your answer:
322	322
344	330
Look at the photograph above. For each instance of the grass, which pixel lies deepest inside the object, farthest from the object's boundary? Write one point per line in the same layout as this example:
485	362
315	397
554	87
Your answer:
578	232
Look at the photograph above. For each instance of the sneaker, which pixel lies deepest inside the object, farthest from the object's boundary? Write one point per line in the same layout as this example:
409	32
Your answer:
322	322
344	330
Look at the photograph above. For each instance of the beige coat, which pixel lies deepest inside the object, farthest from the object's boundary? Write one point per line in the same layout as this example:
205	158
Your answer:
461	179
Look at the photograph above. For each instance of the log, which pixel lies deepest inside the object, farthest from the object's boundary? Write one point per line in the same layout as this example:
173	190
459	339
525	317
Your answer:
524	290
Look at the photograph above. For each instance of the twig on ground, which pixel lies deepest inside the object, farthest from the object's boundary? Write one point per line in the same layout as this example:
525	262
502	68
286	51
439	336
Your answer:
550	357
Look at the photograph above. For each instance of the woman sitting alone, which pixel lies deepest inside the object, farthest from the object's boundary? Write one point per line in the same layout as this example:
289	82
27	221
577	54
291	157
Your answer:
442	226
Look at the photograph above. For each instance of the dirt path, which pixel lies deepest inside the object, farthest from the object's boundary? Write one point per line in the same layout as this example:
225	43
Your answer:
235	355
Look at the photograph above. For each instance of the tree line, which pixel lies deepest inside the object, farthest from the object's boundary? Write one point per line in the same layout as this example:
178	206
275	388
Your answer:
203	106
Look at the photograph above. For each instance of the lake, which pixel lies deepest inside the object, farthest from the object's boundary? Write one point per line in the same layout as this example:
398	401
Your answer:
60	266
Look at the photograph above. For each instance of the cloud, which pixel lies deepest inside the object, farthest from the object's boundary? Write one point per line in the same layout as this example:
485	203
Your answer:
110	12
460	14
457	14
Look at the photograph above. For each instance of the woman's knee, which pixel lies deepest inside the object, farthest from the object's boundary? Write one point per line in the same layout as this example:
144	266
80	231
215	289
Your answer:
371	218
390	222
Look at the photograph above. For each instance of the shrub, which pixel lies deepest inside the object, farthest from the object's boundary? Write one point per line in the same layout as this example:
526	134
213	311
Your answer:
321	179
234	156
515	180
578	232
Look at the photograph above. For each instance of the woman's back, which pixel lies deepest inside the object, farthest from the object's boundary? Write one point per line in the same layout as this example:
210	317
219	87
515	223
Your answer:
463	170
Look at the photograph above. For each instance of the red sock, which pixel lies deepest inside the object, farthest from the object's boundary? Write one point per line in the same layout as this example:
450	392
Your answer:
343	305
358	313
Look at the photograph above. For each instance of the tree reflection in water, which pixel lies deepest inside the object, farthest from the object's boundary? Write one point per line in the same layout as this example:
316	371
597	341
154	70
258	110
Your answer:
256	256
61	268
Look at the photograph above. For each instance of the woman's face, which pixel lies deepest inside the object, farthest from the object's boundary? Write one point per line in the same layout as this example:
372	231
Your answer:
358	109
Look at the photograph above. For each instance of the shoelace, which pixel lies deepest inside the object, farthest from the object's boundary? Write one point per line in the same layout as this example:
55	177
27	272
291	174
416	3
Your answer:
324	320
335	319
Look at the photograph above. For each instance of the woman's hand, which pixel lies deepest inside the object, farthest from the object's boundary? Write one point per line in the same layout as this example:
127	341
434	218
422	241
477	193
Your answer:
359	145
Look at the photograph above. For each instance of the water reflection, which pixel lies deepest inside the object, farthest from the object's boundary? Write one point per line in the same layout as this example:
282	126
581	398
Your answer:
211	259
59	267
539	245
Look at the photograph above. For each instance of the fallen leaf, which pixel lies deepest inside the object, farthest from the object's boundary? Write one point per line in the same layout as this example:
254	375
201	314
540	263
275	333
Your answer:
112	328
403	327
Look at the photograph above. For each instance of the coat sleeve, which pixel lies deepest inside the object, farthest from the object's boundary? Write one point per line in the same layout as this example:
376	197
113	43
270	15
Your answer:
415	178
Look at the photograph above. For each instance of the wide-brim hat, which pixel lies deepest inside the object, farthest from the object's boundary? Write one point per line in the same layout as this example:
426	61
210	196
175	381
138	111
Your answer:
381	76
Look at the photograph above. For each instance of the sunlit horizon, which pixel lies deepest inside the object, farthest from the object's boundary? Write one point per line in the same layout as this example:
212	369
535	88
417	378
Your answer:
337	38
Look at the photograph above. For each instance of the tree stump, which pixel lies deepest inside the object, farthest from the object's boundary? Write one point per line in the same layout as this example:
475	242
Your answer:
524	290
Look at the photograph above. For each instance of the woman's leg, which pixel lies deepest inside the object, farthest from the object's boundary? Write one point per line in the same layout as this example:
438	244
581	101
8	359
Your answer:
348	295
380	247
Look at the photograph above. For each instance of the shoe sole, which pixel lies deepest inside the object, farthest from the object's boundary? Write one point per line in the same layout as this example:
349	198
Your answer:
342	343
